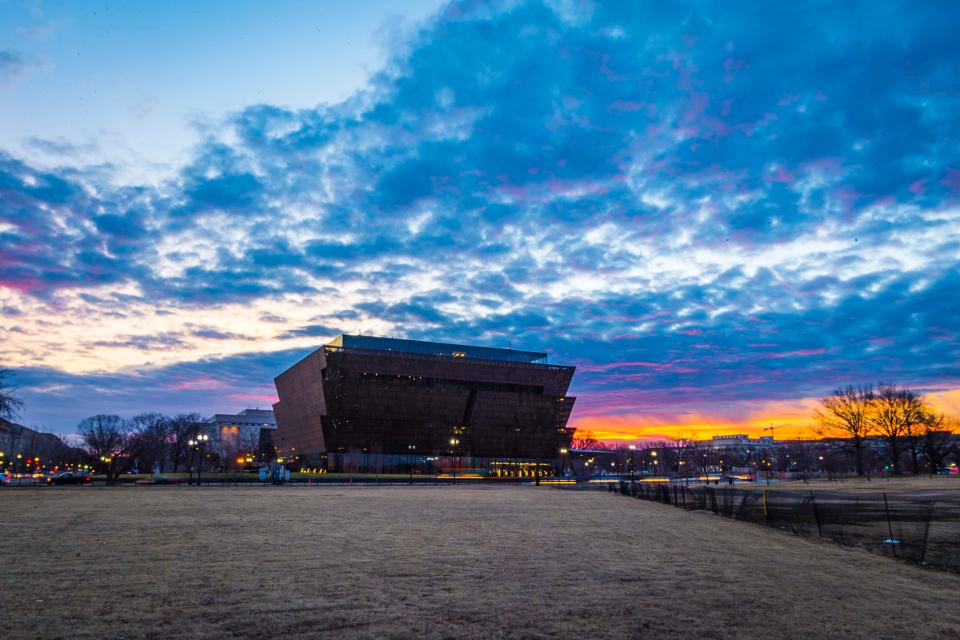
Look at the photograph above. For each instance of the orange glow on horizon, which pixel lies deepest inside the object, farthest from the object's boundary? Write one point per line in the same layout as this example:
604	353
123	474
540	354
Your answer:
791	420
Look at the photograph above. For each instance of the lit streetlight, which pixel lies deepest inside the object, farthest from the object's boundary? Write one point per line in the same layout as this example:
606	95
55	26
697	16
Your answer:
411	448
453	444
202	444
192	443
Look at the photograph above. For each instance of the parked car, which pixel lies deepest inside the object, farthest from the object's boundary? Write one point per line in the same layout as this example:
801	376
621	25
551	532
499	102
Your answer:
4	478
160	480
68	477
23	479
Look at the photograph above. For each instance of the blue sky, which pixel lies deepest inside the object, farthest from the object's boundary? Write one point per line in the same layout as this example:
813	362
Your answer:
718	211
136	84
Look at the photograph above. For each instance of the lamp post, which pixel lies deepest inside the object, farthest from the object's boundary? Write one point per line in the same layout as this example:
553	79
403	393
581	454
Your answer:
202	443
453	444
411	448
563	460
106	460
192	443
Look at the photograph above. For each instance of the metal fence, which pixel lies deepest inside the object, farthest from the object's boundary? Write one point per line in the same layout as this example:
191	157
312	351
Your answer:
919	529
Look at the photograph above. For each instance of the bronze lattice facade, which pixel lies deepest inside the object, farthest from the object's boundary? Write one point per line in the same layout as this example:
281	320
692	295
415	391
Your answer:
365	395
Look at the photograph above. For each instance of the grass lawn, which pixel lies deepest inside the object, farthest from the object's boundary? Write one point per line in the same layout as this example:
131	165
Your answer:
434	562
903	484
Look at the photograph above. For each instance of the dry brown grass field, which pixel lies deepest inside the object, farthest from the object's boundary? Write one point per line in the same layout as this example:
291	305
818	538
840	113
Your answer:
904	484
435	562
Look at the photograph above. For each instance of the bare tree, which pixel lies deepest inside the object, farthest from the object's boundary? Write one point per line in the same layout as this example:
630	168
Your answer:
800	456
248	442
685	449
585	440
10	404
114	443
895	412
845	413
913	436
153	430
667	456
179	432
705	457
938	440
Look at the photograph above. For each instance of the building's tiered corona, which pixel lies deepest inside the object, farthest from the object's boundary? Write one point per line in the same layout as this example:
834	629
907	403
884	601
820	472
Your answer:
361	400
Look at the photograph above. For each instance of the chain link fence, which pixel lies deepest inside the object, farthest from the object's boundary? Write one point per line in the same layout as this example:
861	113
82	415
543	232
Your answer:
919	529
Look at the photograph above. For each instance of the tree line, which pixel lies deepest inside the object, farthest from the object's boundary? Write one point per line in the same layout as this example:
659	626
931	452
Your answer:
864	428
145	442
148	441
900	418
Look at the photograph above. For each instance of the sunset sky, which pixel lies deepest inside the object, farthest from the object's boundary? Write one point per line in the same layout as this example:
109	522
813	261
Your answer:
718	211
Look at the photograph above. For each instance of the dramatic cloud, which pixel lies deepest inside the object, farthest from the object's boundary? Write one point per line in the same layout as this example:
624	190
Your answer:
709	208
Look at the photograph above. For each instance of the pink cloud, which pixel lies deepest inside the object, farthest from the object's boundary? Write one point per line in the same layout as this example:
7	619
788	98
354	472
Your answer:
782	175
952	179
204	383
24	285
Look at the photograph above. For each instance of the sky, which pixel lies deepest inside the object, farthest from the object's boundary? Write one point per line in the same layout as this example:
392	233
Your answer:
718	211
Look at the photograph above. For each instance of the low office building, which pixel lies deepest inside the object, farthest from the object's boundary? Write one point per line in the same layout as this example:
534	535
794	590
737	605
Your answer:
365	403
247	432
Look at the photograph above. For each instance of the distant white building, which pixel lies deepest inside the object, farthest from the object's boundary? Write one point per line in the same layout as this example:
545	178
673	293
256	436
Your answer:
741	441
250	431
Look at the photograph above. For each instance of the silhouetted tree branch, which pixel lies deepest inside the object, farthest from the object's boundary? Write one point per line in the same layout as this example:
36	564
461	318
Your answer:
10	404
845	413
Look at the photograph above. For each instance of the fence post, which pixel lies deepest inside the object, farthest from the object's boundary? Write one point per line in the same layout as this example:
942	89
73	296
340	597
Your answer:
886	508
816	514
926	532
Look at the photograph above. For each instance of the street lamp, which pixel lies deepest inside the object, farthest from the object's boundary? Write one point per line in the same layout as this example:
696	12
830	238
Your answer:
411	448
106	460
192	443
202	443
453	444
